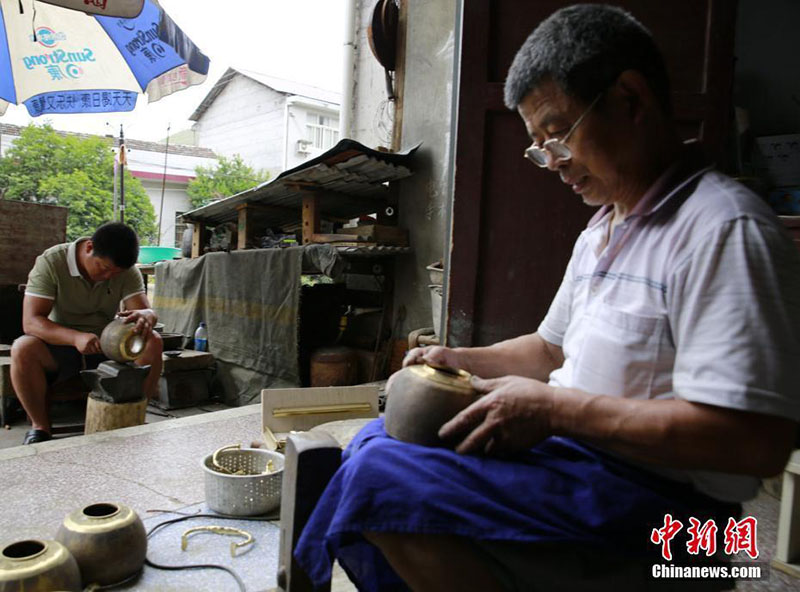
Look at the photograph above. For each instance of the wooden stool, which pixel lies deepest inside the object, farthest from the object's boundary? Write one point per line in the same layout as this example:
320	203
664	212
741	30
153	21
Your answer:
71	389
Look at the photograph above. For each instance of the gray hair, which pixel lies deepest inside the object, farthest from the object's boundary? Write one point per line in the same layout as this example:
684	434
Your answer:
584	48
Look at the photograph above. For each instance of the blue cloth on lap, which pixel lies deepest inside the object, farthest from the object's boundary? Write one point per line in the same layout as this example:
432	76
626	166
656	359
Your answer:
560	491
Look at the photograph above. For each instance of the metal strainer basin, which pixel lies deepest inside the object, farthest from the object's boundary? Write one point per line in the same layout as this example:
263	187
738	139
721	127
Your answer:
249	494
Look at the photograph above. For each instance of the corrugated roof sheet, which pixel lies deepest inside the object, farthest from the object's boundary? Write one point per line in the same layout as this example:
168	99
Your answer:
350	178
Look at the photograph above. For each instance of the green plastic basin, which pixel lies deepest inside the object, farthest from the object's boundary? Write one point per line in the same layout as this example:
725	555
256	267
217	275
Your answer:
153	254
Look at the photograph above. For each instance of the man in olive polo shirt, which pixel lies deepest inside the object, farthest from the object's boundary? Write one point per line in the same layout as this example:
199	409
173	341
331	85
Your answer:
74	290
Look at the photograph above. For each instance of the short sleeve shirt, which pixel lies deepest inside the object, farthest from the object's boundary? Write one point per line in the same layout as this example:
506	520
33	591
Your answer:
78	303
695	296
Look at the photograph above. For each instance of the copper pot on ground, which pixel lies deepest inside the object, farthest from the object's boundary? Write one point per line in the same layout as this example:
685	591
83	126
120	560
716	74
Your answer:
38	565
108	540
120	343
422	398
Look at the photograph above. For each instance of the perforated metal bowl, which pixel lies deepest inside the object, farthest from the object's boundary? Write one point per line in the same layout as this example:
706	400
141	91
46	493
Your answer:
250	494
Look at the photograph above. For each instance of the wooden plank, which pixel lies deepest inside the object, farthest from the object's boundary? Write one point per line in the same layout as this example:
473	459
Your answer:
311	217
198	228
27	229
300	409
379	233
400	77
334	238
246	226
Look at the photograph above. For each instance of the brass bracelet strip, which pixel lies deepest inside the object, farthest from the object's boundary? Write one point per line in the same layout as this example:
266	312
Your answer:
215	462
214	529
320	409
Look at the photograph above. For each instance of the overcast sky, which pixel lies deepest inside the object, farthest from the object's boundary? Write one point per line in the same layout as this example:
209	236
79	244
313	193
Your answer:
300	40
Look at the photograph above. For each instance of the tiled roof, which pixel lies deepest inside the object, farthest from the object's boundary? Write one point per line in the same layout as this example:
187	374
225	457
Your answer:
280	85
131	144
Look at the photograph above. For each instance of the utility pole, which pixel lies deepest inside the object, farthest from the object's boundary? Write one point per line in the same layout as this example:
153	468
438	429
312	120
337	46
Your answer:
163	185
122	162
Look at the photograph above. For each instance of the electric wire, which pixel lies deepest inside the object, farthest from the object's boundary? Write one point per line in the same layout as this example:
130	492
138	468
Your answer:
150	563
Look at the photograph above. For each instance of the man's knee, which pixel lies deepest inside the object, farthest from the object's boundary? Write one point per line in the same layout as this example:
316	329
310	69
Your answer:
28	350
155	345
153	349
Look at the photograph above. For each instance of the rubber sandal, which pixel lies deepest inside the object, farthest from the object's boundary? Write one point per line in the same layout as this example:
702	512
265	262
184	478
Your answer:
34	436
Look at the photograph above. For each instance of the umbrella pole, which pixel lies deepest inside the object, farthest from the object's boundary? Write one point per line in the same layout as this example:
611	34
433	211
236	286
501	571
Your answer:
122	161
115	185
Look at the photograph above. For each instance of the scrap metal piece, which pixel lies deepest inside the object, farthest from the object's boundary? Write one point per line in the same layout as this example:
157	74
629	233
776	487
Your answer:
269	439
218	466
215	529
270	468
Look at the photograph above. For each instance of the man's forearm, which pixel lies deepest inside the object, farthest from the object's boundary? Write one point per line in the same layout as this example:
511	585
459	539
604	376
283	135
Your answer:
527	355
675	432
50	332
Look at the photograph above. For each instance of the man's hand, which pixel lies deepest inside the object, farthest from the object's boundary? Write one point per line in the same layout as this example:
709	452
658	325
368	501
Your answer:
87	343
513	415
435	355
144	318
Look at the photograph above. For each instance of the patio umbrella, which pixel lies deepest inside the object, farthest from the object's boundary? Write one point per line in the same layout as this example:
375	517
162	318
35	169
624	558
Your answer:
60	60
123	8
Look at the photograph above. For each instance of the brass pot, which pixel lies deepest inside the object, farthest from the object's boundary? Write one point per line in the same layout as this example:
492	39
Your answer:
120	343
38	565
107	540
422	398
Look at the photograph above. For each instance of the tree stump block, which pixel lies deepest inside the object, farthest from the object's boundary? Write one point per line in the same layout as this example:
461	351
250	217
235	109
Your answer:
102	416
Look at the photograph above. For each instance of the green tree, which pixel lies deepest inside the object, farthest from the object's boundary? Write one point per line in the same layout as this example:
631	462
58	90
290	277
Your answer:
77	172
229	177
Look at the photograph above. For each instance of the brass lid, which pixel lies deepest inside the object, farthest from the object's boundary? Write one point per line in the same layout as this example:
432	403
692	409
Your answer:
451	378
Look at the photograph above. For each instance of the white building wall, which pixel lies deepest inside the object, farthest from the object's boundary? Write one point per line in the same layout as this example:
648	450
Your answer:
175	200
246	118
372	117
6	141
298	150
180	170
424	197
177	164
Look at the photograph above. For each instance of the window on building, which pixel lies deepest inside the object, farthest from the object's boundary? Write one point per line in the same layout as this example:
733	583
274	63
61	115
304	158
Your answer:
179	228
322	131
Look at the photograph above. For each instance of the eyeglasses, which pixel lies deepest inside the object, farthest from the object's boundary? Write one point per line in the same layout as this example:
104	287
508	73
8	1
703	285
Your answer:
556	148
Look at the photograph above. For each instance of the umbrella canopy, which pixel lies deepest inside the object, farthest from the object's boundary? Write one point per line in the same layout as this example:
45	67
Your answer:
123	8
59	60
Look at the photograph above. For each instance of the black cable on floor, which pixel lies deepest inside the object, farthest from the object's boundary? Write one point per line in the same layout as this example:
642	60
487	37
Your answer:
154	565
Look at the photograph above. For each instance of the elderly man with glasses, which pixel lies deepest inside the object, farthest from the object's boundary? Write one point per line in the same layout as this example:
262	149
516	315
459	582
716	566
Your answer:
660	386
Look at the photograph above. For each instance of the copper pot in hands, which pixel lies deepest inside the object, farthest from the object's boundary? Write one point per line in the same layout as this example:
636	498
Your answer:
420	399
120	343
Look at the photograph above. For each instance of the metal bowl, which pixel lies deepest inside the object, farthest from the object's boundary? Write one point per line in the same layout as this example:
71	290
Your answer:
38	565
249	494
108	540
421	398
